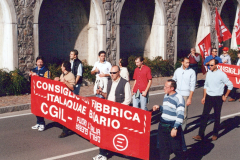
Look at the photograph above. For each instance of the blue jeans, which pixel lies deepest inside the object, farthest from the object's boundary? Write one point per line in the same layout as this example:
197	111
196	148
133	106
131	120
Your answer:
77	89
142	101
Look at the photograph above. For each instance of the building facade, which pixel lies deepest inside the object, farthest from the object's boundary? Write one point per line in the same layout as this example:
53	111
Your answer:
51	28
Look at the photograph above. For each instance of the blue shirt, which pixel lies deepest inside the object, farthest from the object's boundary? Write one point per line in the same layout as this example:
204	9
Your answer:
209	58
215	82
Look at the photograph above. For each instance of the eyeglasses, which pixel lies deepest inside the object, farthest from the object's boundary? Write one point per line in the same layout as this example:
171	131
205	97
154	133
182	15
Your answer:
113	72
211	65
214	51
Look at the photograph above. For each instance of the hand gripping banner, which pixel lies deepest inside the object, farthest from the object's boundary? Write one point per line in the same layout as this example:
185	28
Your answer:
233	73
109	125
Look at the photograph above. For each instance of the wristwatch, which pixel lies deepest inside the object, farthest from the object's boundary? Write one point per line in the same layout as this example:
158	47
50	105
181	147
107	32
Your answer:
175	128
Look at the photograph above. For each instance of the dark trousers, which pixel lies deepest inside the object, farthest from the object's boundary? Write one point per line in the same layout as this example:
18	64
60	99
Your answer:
40	120
104	152
168	144
214	102
232	94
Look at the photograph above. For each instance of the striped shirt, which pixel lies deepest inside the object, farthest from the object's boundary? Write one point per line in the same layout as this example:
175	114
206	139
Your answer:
172	110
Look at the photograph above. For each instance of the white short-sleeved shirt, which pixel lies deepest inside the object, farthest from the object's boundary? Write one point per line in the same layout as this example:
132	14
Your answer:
104	68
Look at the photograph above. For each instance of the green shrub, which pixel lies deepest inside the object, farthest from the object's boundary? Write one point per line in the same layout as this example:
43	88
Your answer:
13	83
233	55
87	73
55	70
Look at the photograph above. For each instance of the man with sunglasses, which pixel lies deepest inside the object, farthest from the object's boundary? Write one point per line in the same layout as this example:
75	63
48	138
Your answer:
213	97
212	56
118	90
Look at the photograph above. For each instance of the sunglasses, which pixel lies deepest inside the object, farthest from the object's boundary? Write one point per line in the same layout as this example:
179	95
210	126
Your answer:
211	65
214	51
113	72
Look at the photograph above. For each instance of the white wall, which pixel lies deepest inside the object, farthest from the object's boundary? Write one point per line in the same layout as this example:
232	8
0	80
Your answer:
8	44
158	33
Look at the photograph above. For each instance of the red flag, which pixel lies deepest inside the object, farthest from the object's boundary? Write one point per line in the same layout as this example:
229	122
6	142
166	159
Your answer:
205	49
238	31
223	33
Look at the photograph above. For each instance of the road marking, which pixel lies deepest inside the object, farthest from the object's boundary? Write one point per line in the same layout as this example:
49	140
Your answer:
211	120
156	93
15	115
73	153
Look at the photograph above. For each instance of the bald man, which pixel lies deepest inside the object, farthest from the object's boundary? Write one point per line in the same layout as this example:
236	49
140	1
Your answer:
118	90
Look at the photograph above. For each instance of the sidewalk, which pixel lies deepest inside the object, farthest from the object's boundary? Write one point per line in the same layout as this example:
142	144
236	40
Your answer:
23	102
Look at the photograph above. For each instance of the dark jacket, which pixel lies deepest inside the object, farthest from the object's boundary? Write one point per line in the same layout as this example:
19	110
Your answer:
76	63
120	92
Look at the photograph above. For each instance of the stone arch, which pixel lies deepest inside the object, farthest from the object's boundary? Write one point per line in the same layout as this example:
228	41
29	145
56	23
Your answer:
228	12
144	33
90	28
8	35
192	18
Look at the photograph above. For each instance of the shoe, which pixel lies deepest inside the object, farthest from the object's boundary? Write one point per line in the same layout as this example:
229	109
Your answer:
36	126
231	100
41	128
214	138
197	138
99	157
62	135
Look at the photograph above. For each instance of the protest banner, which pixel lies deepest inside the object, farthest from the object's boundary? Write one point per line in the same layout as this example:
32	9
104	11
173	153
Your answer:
237	31
109	125
233	73
223	33
205	49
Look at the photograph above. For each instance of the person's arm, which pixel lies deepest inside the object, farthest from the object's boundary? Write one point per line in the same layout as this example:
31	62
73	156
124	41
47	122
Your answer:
180	116
127	91
94	69
79	72
228	84
133	86
204	95
70	86
144	93
206	62
175	75
229	60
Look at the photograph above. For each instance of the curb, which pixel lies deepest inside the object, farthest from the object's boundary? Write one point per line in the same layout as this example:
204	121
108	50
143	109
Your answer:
28	105
15	108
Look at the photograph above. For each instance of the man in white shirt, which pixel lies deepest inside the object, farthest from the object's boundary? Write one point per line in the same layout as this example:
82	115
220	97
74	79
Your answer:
102	70
118	90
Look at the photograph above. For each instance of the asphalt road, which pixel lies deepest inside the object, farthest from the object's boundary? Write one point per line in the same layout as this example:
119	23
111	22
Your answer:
19	142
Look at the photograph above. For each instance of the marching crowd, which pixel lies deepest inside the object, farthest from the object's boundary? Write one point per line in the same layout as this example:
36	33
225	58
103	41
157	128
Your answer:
112	83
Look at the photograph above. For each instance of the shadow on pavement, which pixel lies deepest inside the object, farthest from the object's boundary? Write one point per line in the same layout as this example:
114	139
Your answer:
195	124
199	149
